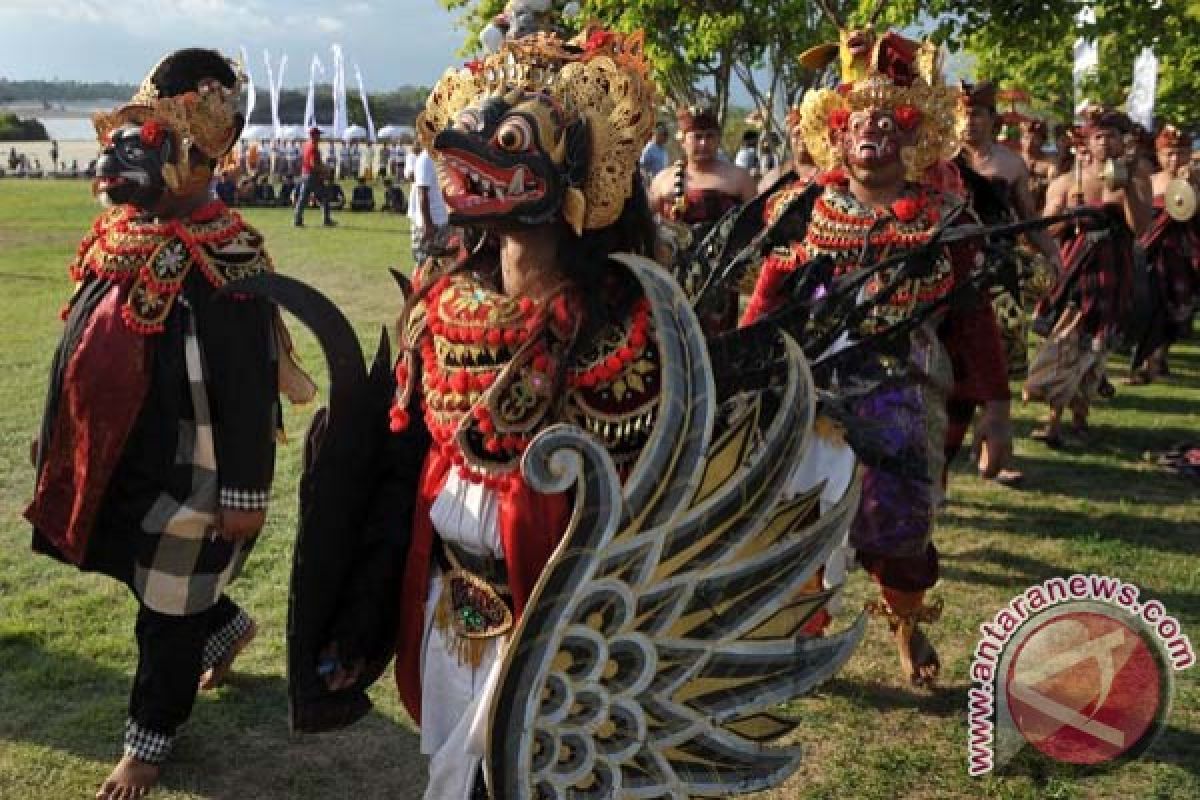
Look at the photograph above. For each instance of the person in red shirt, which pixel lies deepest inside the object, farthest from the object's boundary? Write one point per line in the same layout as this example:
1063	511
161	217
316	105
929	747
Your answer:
312	179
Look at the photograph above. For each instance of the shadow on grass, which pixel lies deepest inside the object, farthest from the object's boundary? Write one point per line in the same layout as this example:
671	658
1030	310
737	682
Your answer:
236	743
1129	398
1087	522
945	701
1021	571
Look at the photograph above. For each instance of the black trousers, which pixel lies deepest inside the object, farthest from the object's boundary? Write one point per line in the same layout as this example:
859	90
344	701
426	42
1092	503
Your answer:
168	671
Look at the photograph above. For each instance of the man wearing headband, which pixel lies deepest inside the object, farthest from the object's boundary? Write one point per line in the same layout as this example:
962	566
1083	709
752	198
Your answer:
701	187
1009	176
697	191
1083	312
1172	245
1042	169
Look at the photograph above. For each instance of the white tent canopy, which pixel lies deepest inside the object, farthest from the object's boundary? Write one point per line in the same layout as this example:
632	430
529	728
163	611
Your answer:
258	132
355	133
396	132
293	132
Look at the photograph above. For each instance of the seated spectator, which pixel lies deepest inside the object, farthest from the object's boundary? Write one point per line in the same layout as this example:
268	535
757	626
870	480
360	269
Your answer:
264	192
363	197
337	197
393	198
287	191
245	191
224	187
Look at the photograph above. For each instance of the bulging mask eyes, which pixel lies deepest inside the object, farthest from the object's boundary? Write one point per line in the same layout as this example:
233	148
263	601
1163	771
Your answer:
469	120
886	124
514	135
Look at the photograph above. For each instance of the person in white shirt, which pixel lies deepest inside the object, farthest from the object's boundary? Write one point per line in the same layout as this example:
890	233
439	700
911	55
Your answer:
655	157
426	207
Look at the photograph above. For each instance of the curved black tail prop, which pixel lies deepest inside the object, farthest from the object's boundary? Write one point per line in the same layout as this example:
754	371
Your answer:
354	518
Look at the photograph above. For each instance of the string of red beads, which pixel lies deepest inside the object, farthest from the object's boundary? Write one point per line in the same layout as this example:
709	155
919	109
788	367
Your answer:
450	393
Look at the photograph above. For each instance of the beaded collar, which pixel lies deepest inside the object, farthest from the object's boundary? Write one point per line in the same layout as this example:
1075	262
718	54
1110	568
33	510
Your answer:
493	375
154	258
837	228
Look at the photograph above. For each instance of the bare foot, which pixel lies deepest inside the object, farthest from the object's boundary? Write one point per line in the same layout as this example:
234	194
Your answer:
918	659
215	675
129	779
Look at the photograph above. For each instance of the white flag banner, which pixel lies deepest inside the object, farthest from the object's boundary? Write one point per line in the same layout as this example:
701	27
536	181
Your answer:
276	86
1140	103
283	62
362	93
271	95
310	107
251	94
339	92
1087	54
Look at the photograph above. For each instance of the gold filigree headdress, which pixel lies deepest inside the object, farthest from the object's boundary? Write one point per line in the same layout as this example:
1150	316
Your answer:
903	75
600	76
205	118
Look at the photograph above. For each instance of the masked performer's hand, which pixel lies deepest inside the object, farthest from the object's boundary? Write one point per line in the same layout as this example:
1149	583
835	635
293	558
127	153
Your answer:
993	438
337	676
238	525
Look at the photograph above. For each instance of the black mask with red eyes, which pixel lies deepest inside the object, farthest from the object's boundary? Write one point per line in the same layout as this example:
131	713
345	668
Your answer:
130	170
510	161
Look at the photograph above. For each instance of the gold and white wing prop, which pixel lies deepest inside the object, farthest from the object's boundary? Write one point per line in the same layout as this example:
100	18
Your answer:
663	632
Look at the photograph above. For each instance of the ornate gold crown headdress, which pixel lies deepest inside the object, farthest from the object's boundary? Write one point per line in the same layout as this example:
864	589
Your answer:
599	75
904	75
205	118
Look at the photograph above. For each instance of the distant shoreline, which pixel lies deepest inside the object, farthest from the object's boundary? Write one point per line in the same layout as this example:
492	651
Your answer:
81	111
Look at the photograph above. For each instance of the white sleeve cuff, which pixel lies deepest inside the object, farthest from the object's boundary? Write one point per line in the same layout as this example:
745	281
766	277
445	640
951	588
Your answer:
245	499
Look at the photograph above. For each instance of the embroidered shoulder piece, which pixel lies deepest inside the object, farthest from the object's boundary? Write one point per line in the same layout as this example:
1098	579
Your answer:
495	372
837	228
615	386
152	259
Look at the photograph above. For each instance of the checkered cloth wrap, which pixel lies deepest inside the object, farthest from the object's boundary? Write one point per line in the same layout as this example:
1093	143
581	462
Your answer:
1097	278
145	744
220	642
188	566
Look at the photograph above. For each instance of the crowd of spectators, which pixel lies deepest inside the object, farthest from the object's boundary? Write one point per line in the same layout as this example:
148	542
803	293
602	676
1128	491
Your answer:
22	165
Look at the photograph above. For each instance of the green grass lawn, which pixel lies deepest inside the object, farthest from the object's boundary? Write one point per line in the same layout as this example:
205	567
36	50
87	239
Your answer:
67	652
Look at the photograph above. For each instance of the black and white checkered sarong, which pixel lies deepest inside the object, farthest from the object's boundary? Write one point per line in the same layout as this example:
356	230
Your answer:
145	744
188	565
221	641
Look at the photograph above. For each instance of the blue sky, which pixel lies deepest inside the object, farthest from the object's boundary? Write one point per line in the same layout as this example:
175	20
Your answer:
395	42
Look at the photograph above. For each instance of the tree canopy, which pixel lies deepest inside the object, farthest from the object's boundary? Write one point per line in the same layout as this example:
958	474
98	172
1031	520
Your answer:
1024	44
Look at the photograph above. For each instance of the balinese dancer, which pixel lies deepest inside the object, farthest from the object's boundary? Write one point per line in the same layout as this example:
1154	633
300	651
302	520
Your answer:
156	451
876	136
1082	314
1042	168
972	331
800	170
700	188
552	636
695	193
551	173
1172	245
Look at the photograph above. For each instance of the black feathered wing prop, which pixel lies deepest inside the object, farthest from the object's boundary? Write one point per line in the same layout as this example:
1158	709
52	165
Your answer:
661	636
355	515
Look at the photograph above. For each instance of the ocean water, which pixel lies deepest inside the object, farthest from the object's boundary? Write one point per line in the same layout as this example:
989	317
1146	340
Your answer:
69	129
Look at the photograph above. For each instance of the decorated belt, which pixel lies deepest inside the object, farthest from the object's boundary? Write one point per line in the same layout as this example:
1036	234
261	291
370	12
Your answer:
450	557
475	603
